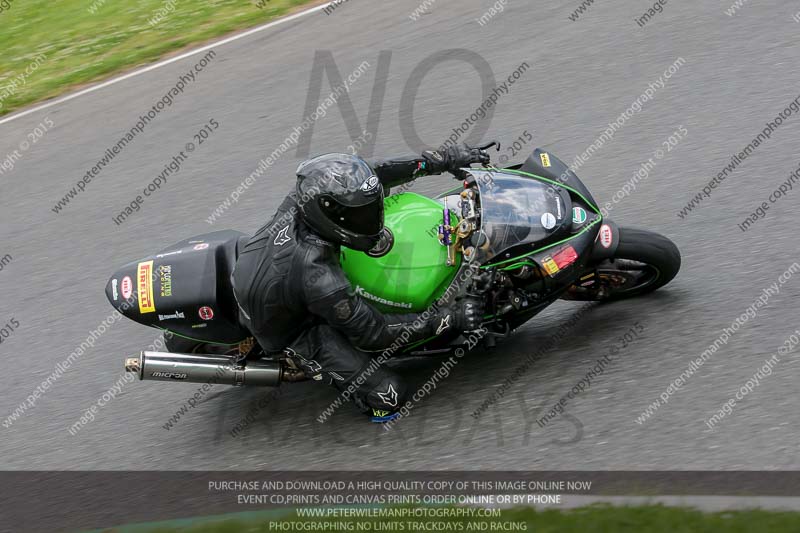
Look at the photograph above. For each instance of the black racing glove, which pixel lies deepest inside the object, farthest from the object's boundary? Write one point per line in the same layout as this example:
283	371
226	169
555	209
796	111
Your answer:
465	314
454	158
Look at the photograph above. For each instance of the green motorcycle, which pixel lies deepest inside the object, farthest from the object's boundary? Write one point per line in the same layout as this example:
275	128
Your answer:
520	237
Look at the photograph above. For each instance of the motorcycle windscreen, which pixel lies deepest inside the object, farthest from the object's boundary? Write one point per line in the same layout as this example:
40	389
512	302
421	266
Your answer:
518	210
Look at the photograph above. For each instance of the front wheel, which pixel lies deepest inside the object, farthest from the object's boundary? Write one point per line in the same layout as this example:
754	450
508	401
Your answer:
643	262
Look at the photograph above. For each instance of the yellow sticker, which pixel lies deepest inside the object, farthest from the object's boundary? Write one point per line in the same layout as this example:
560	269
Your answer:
144	277
549	265
545	159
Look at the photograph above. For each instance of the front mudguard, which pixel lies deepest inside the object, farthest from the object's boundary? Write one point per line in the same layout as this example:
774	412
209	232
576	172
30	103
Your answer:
602	249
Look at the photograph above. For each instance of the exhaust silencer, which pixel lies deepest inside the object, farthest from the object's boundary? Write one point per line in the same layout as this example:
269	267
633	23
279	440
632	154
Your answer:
213	369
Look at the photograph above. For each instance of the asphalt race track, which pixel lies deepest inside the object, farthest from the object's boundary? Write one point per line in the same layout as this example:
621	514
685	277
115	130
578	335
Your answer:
737	73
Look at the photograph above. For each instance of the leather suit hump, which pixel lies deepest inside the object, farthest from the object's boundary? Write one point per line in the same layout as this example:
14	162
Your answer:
263	279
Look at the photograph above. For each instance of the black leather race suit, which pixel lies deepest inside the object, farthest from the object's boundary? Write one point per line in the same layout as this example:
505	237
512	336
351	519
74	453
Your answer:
294	296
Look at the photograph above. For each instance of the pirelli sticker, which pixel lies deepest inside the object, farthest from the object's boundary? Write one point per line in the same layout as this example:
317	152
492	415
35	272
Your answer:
144	278
545	157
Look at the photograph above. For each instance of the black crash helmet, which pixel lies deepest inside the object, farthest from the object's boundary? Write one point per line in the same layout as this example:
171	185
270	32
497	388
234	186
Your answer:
341	199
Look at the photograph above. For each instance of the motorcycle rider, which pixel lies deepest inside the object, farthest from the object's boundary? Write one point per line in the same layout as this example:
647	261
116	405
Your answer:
293	293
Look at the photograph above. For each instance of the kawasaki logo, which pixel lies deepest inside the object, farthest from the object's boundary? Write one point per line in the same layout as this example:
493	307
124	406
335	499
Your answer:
361	292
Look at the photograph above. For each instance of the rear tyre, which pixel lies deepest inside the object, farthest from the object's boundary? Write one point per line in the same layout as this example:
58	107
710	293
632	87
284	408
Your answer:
643	262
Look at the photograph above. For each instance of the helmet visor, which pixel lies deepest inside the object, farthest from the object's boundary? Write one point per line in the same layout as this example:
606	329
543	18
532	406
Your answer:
364	219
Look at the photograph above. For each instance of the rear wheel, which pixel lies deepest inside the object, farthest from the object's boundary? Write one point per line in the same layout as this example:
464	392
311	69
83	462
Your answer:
643	262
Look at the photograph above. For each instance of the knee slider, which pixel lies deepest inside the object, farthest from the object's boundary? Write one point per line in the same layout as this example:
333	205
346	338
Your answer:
389	394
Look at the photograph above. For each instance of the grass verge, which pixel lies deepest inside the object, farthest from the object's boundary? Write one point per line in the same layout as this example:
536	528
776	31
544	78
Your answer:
50	47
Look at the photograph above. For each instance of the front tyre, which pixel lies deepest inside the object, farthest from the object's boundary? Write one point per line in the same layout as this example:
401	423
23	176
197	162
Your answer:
643	262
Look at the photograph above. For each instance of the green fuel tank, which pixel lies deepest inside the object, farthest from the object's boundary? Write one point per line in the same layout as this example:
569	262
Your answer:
414	272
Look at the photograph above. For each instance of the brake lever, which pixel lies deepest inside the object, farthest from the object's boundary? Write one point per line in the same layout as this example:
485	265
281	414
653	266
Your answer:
487	146
460	174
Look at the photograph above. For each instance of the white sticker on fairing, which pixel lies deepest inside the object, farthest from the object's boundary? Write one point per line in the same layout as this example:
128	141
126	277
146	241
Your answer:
126	287
548	221
578	215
